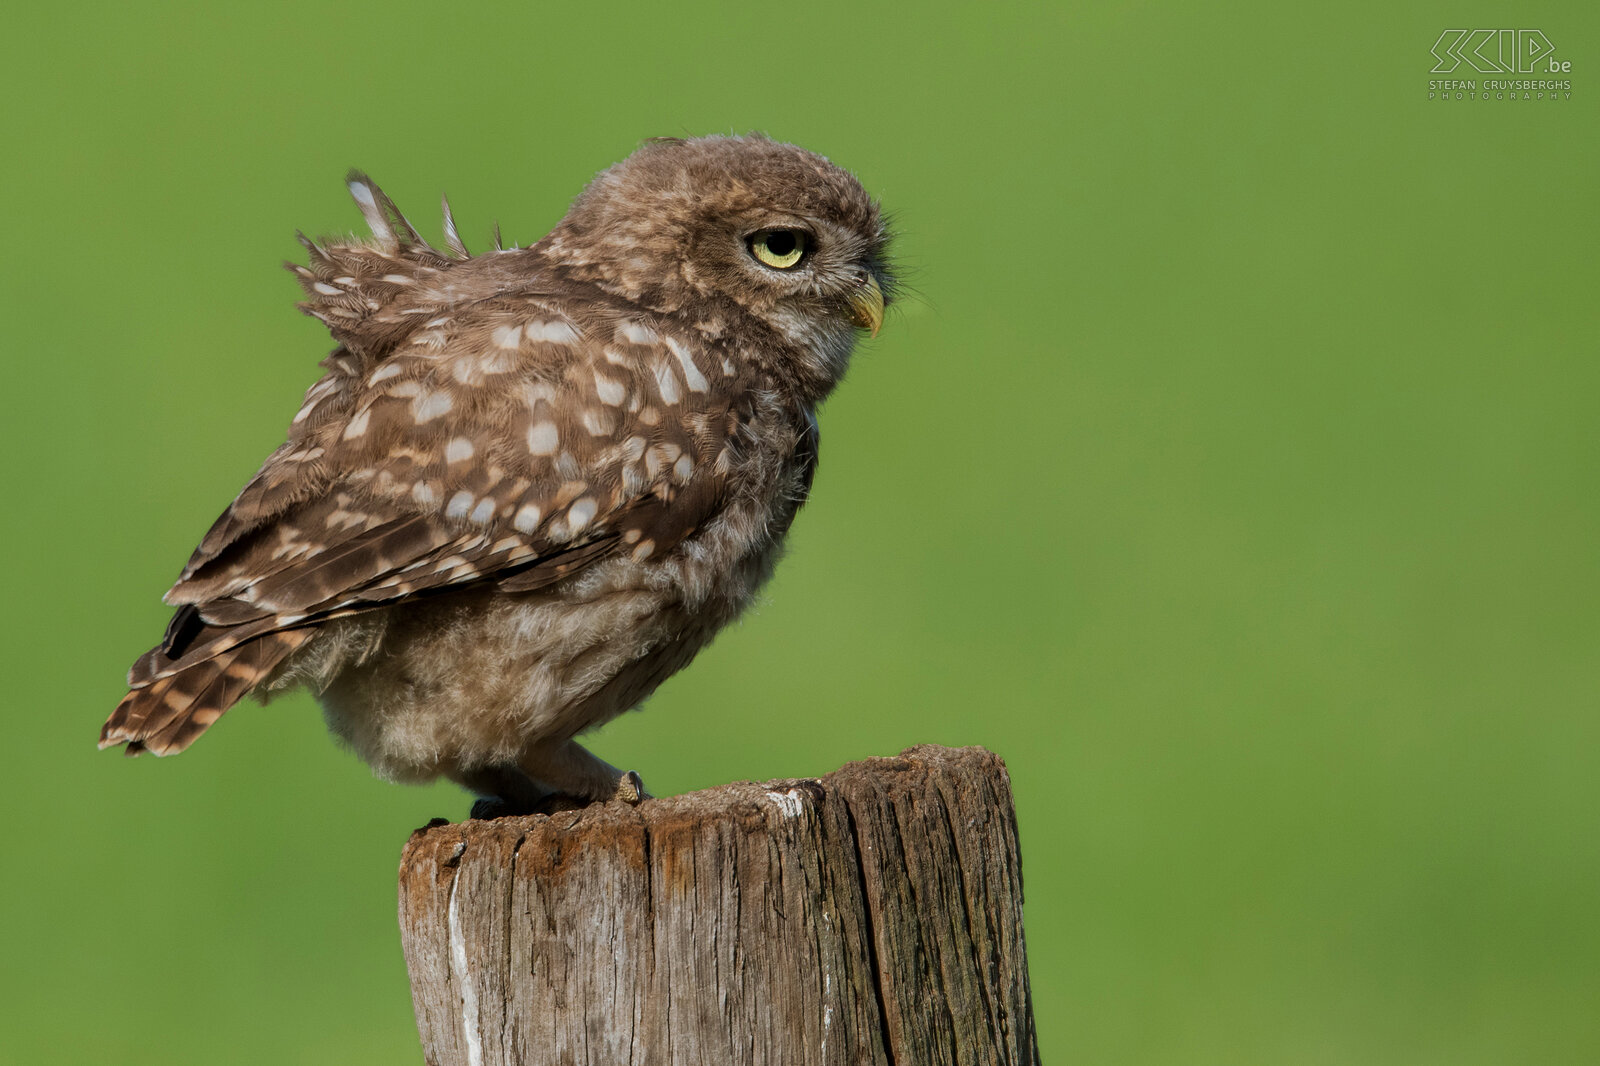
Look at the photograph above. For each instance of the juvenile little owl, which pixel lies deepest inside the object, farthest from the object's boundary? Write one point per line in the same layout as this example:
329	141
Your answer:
533	483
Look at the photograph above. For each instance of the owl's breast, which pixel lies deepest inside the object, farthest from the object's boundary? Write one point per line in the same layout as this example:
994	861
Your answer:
723	565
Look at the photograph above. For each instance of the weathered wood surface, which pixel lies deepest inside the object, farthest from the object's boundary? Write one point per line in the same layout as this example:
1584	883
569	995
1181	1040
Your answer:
870	916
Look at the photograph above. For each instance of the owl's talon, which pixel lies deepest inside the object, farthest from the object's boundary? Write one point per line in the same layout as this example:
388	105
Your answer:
630	789
488	808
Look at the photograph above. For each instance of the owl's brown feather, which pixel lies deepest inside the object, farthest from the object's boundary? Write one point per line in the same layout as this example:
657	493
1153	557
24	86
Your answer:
203	642
532	483
167	715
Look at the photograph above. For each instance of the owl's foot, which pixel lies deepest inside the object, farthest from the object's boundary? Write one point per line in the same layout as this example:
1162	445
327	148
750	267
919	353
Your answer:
630	789
569	771
489	807
503	791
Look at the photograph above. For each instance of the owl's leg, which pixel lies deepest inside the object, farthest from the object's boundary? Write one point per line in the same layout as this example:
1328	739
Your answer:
569	768
501	791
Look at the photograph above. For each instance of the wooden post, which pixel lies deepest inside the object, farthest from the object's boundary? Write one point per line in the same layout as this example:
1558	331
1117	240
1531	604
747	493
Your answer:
870	916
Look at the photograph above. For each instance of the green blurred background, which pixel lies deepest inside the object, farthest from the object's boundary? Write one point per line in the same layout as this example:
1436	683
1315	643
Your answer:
1231	470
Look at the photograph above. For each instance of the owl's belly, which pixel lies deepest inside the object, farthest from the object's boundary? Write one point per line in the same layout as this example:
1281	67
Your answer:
470	679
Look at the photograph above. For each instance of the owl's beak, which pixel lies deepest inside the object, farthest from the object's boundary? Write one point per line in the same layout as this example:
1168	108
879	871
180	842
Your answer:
866	306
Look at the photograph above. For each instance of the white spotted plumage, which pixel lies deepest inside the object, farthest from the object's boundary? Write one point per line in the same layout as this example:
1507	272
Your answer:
532	485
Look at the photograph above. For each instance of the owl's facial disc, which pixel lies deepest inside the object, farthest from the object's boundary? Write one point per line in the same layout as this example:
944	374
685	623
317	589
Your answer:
788	237
798	266
786	249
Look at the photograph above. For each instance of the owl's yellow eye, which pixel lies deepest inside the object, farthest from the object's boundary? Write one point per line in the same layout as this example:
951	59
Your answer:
781	249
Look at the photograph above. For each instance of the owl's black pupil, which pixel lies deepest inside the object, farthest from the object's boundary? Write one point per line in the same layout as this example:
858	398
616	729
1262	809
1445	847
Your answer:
780	242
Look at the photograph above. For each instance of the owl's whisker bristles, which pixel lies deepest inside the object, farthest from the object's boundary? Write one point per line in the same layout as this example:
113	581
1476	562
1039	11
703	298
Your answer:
906	294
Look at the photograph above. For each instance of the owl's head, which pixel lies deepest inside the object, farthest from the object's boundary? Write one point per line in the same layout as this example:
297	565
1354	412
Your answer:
772	229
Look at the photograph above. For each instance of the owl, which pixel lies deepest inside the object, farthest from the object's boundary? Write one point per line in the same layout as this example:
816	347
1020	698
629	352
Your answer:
533	483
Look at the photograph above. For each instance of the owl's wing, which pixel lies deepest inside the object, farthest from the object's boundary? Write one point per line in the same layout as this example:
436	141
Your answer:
374	296
404	556
501	444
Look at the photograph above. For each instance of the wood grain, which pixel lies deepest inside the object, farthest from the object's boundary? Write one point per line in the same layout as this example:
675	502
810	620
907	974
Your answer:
870	916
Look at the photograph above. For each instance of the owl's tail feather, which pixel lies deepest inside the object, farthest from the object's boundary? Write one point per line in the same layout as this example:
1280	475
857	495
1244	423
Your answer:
166	716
